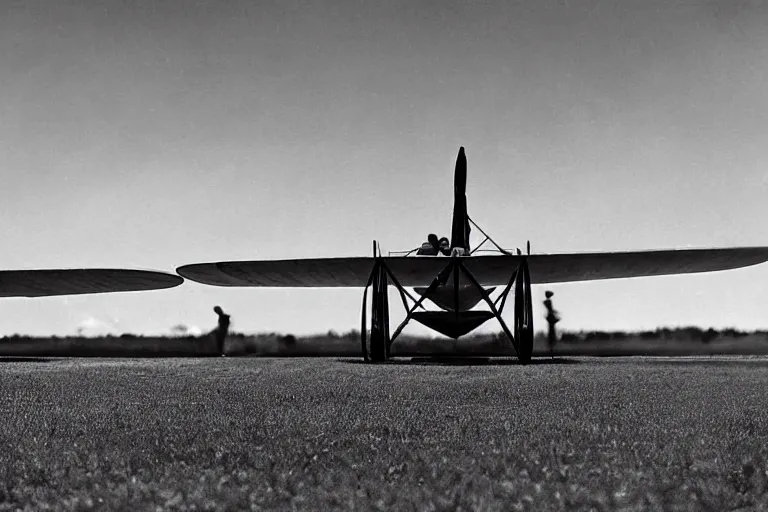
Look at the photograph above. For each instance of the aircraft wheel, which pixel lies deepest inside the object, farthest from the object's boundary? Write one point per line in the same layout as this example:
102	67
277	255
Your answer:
380	318
378	349
524	314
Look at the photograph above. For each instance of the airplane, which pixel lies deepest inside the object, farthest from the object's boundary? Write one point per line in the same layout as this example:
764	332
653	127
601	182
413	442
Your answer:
456	279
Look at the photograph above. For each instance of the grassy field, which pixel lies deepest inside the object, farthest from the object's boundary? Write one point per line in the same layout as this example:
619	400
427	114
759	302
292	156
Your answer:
313	434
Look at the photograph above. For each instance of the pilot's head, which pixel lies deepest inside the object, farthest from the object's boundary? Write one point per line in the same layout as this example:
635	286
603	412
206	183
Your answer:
549	294
217	310
432	239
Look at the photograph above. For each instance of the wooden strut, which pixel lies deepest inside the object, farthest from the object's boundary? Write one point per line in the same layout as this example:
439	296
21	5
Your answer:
441	278
488	238
495	312
503	296
381	276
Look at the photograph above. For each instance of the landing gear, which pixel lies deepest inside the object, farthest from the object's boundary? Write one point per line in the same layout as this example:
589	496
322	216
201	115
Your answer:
379	343
377	349
380	317
524	313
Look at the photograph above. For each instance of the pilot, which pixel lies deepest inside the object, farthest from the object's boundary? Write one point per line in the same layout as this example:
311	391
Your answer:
430	247
445	246
552	318
221	331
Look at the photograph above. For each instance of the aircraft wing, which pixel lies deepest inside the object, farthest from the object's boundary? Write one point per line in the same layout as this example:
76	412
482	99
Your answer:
43	283
488	270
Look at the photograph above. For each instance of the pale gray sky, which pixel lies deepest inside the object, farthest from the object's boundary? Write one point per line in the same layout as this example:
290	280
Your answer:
153	134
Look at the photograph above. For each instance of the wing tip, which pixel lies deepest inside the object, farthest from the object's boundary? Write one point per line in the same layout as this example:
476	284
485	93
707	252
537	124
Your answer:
83	281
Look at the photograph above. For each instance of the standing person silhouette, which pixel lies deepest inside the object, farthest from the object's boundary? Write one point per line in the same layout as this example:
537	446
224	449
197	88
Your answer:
552	318
221	330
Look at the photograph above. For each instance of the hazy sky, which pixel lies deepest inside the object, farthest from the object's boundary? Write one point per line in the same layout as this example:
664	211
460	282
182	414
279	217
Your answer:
152	134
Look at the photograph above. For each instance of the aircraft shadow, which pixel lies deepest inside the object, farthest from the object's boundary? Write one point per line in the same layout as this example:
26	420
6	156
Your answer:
466	361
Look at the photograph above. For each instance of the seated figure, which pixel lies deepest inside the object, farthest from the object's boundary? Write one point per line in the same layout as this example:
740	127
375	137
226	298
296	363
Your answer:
445	246
431	247
434	247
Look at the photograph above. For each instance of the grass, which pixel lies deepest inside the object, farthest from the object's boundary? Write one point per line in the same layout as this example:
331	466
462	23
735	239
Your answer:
314	434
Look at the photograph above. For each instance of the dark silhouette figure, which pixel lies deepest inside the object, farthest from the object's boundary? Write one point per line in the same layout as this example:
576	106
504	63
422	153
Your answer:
433	246
221	330
552	318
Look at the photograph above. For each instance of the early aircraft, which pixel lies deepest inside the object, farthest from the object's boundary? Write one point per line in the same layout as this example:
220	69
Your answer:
455	279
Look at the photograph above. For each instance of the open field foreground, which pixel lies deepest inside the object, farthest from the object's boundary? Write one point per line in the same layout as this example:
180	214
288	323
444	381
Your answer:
312	434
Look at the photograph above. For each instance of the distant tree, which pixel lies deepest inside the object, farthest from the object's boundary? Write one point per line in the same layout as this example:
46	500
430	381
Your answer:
709	335
597	336
692	333
570	337
288	340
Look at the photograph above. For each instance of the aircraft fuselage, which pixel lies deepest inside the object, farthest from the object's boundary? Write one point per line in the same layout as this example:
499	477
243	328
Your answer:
449	297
